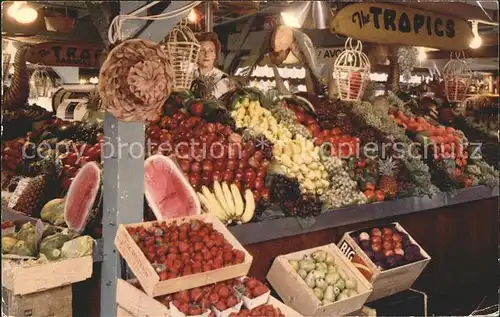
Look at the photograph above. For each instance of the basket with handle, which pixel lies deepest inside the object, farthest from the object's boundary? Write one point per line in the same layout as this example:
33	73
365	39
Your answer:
183	49
457	77
351	71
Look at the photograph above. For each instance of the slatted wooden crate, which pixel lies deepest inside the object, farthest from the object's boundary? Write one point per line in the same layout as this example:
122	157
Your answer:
385	282
149	278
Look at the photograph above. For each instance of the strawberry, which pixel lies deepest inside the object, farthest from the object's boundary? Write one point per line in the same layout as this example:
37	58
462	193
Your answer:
224	292
196	294
251	282
221	306
259	290
231	301
182	297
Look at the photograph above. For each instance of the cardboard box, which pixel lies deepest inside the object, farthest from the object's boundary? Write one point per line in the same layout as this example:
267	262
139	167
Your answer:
137	303
149	278
37	278
385	282
56	302
295	293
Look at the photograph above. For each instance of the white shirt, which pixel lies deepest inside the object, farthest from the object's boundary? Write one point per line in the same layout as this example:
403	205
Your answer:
222	85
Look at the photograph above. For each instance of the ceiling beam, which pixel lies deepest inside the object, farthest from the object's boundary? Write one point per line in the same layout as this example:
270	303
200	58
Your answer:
482	52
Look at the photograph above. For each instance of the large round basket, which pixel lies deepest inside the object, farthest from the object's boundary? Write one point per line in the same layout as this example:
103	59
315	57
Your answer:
136	80
351	71
183	49
457	77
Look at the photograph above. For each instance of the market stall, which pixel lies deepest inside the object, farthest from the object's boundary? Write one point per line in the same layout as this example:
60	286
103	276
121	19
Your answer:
293	180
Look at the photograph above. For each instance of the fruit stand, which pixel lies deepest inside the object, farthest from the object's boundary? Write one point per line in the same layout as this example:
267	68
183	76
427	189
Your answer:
254	202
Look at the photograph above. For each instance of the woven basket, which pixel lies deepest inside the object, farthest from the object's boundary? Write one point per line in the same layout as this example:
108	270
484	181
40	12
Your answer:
351	71
457	77
183	48
136	80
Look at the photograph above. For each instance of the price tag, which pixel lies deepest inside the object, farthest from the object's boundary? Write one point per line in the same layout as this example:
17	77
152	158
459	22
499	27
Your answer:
347	250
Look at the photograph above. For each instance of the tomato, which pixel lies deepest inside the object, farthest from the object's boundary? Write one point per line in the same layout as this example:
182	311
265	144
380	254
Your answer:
361	163
380	195
336	131
370	194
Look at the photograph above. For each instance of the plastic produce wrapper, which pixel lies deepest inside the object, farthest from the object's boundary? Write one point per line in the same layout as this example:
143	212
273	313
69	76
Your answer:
79	247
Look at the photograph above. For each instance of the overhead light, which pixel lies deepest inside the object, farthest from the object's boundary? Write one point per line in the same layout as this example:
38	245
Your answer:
193	17
477	41
22	12
296	17
321	14
422	54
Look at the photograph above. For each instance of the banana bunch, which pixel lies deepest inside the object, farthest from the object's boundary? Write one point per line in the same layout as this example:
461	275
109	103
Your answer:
227	203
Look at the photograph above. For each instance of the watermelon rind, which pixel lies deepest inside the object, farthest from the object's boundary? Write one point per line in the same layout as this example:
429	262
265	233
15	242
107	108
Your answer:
149	198
88	208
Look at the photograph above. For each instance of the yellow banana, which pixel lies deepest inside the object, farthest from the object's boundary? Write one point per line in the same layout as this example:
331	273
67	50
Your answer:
229	199
238	200
214	206
249	207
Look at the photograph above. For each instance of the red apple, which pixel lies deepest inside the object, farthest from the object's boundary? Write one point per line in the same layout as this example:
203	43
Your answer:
207	166
195	167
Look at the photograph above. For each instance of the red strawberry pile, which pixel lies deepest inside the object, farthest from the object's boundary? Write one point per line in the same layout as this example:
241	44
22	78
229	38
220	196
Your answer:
254	288
182	249
261	311
220	296
198	300
77	155
209	151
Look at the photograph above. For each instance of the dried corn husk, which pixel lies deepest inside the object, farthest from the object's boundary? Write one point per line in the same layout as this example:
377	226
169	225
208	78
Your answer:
79	247
136	80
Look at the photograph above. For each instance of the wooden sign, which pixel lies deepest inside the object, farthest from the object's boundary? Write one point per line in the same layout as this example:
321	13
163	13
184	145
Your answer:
67	54
392	24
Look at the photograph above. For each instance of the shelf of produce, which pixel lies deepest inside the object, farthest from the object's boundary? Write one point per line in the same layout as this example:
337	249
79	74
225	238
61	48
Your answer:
284	227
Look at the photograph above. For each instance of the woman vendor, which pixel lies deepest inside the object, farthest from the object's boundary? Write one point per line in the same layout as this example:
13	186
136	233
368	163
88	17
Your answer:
211	82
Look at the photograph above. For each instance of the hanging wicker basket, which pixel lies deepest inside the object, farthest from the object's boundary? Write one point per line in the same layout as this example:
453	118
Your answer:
457	77
183	49
351	71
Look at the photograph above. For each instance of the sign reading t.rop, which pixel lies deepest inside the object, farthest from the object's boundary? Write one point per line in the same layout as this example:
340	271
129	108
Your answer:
392	24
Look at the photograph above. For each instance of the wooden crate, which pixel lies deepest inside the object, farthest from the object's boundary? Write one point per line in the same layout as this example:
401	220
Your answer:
121	312
37	278
385	282
295	293
137	303
149	278
56	302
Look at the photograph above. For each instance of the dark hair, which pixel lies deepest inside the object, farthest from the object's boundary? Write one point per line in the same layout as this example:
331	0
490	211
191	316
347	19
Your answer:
210	37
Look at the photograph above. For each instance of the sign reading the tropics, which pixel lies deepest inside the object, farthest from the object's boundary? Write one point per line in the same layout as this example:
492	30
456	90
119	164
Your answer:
392	24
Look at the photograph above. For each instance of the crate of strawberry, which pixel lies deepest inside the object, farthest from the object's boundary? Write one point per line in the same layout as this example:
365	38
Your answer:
183	253
221	299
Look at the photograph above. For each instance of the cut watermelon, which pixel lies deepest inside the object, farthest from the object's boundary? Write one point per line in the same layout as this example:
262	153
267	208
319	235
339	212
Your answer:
167	192
83	197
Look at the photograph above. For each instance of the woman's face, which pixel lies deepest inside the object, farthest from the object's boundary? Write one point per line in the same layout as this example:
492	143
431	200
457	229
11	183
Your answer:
206	58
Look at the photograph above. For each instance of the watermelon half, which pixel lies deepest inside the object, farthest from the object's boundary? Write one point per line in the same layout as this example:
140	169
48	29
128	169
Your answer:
167	191
83	197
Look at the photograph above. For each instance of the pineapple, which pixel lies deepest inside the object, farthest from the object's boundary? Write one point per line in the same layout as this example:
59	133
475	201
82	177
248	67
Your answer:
387	182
